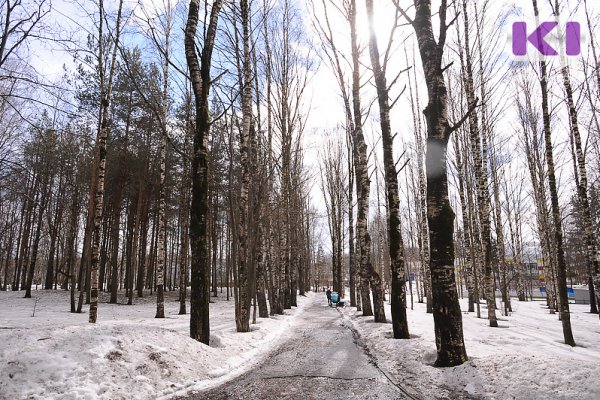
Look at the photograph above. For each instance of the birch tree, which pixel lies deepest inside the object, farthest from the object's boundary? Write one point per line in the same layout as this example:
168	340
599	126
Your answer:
200	75
160	267
245	270
363	182
556	215
396	243
580	161
480	165
105	94
420	190
446	309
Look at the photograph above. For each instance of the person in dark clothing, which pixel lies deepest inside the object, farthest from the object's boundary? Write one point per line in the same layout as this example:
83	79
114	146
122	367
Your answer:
328	293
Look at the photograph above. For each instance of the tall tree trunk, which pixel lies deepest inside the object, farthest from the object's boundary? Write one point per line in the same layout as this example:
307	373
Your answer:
446	309
421	198
242	319
362	176
351	248
561	267
396	243
162	242
480	166
582	183
487	136
259	178
106	89
200	75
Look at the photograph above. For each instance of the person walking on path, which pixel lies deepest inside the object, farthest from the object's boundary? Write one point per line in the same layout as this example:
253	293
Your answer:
328	293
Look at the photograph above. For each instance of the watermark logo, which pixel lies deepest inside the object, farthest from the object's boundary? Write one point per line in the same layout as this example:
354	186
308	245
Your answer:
538	40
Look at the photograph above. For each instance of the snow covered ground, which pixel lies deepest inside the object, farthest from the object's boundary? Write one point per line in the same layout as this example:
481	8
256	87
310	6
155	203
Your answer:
524	358
128	354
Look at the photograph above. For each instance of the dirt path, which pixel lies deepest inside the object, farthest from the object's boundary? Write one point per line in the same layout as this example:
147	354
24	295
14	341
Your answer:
323	359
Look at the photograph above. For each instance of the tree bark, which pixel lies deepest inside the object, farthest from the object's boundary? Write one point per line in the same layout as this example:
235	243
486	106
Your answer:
446	309
480	166
161	257
362	179
244	265
561	267
200	75
582	183
106	89
396	243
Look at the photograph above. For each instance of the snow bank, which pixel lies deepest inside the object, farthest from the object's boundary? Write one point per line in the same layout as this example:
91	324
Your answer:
525	358
128	354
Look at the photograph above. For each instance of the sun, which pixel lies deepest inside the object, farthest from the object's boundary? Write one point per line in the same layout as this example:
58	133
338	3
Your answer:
384	20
